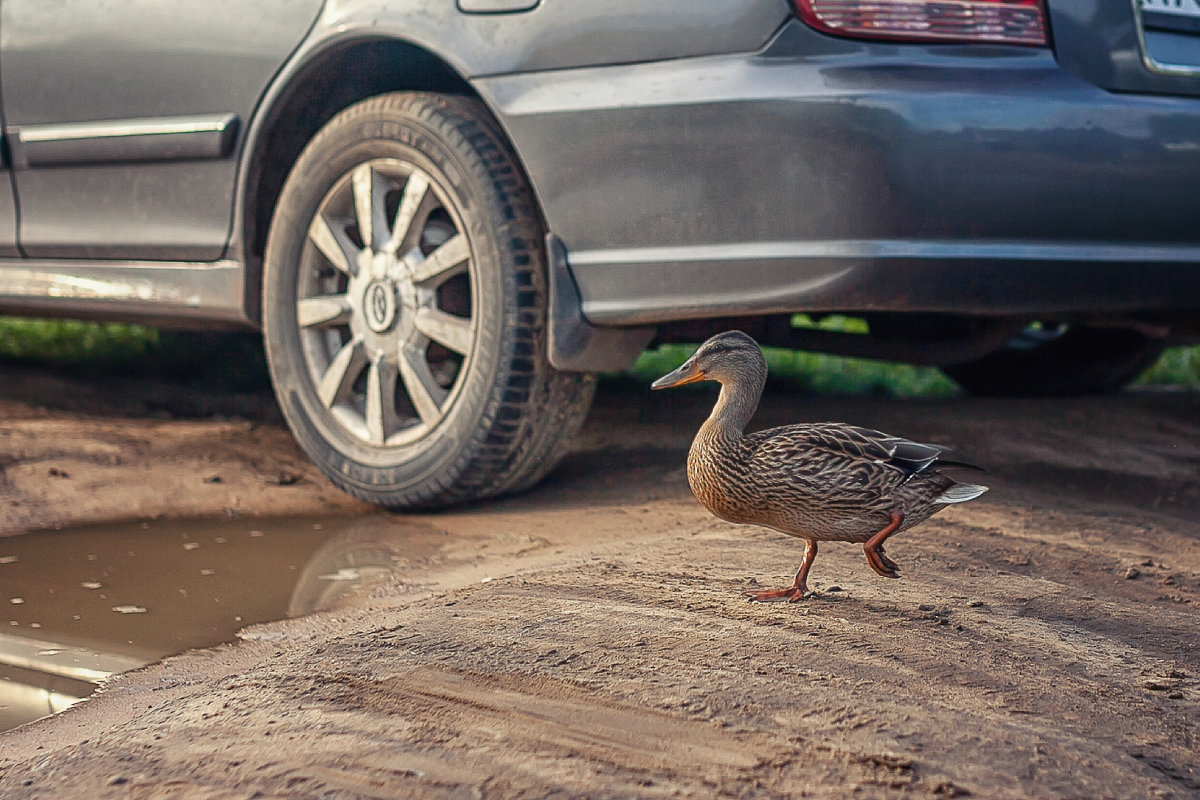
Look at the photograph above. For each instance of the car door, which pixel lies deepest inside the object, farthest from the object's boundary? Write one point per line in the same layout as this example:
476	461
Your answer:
124	119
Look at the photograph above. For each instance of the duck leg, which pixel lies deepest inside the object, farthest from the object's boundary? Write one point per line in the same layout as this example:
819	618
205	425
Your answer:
873	547
799	587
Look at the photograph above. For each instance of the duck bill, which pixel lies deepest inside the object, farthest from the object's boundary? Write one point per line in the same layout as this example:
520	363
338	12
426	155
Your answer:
687	373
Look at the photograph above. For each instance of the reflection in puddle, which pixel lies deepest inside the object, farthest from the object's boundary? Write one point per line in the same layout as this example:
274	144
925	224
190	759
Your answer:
79	605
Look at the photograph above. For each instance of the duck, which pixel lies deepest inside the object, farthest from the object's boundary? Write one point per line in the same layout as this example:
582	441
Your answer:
819	482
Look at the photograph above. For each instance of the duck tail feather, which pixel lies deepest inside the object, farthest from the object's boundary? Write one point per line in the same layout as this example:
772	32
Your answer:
960	493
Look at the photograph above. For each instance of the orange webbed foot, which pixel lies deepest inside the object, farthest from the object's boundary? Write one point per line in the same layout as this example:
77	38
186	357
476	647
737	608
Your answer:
882	564
799	588
792	594
873	548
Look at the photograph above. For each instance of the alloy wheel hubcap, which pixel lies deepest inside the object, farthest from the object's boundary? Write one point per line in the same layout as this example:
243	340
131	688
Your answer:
386	303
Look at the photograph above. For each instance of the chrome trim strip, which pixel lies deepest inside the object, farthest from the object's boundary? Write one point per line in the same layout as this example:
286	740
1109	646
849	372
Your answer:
1150	62
496	6
972	250
127	140
153	126
162	290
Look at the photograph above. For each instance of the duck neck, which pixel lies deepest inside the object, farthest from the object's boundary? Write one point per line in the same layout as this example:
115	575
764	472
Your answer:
735	406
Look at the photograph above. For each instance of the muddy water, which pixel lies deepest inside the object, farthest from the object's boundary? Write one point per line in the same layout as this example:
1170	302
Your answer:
79	605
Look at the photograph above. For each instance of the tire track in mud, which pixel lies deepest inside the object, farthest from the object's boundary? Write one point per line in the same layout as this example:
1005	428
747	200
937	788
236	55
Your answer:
500	715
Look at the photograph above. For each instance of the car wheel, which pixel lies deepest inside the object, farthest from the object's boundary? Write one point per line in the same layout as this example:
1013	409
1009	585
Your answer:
1060	361
404	308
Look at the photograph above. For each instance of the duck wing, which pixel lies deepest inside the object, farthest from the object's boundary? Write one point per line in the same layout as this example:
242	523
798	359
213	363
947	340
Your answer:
828	462
910	456
834	460
905	454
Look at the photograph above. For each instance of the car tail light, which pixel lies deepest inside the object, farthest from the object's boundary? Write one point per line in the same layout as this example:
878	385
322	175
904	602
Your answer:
1002	21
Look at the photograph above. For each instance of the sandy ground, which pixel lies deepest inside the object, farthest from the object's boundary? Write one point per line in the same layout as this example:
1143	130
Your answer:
589	639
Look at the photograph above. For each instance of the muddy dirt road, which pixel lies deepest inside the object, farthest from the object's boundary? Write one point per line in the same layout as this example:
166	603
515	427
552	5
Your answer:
589	639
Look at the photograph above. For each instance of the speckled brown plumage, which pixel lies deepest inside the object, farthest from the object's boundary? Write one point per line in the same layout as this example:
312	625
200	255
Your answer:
819	482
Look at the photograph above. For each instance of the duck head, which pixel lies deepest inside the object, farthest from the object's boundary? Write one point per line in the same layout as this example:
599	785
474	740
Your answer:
726	357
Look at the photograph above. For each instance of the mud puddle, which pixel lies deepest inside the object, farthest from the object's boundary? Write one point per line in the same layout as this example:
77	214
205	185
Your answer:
79	605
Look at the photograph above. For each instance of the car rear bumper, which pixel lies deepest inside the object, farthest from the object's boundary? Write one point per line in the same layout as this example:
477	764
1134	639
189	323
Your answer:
823	174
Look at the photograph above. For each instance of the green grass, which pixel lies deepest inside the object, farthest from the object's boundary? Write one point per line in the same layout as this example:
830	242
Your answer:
236	361
75	344
231	361
1178	366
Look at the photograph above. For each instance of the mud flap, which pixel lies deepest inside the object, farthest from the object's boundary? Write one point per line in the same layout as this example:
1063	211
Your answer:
575	344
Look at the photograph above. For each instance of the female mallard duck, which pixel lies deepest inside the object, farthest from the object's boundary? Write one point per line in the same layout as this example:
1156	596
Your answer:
820	482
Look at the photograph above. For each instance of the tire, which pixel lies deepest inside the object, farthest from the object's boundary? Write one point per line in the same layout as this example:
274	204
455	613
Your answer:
1060	362
410	359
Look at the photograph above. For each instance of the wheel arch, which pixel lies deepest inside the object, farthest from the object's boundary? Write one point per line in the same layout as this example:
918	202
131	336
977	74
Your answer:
334	75
307	95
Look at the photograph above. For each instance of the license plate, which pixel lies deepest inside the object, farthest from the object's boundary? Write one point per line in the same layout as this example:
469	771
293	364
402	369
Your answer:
1182	8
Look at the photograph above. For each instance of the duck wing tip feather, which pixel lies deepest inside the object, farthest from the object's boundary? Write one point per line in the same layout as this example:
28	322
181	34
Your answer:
960	493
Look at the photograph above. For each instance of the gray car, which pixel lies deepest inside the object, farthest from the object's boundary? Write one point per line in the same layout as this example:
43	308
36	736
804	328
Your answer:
446	216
